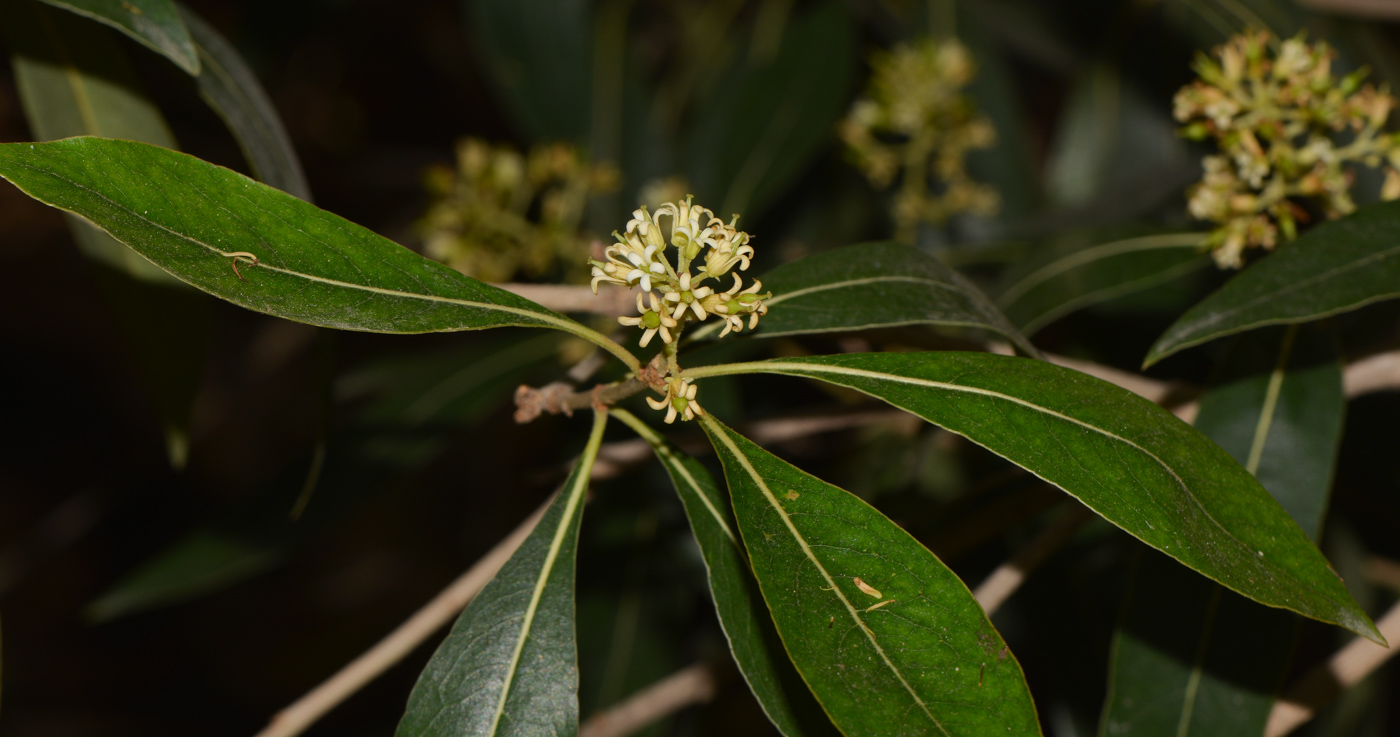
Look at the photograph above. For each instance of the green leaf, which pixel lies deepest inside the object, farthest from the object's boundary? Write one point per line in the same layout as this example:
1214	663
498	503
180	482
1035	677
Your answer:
1335	267
873	285
233	91
752	640
1190	658
201	563
196	220
539	56
509	665
1132	462
889	640
1071	275
154	23
768	119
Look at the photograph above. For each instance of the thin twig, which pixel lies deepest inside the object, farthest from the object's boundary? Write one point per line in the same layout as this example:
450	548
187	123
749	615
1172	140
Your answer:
304	712
694	684
1009	576
571	298
1343	670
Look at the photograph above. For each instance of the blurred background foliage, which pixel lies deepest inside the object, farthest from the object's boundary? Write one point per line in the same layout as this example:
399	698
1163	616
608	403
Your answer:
187	553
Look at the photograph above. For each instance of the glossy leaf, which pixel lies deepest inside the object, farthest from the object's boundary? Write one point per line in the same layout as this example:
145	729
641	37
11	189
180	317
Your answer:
873	285
769	118
1190	658
1333	268
752	640
154	23
1062	280
539	56
890	641
197	220
1132	462
509	665
233	91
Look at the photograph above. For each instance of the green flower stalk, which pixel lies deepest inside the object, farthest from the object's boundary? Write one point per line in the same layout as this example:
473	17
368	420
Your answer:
698	239
502	214
916	124
1287	130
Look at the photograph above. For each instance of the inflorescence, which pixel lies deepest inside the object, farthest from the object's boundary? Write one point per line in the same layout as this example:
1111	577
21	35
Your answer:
1276	112
915	118
502	214
639	258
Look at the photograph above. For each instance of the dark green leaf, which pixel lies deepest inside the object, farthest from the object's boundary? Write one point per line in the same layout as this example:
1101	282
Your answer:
154	23
539	54
1336	267
1132	462
1190	658
769	118
200	563
1070	276
756	648
508	666
873	285
196	220
889	640
233	91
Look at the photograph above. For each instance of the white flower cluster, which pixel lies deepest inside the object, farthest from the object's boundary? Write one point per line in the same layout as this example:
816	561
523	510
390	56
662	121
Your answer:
639	258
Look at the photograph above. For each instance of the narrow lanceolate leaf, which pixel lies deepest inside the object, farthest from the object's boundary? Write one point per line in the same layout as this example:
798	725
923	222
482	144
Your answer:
889	640
154	23
200	222
1039	291
1129	460
202	562
1193	659
755	645
873	285
509	665
233	91
1333	268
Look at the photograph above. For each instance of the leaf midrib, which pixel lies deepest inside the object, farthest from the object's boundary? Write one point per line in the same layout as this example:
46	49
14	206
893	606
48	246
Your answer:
720	432
585	471
780	367
1292	287
542	317
1117	248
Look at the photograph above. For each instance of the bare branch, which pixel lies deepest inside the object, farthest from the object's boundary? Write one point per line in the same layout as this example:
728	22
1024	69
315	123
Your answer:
571	298
694	684
1345	669
1009	576
294	719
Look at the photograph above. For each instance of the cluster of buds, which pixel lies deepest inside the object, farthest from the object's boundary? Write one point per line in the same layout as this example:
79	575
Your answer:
915	119
1276	111
673	294
501	214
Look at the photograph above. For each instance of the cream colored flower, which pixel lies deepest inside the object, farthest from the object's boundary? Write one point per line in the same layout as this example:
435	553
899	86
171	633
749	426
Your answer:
686	297
652	321
679	400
